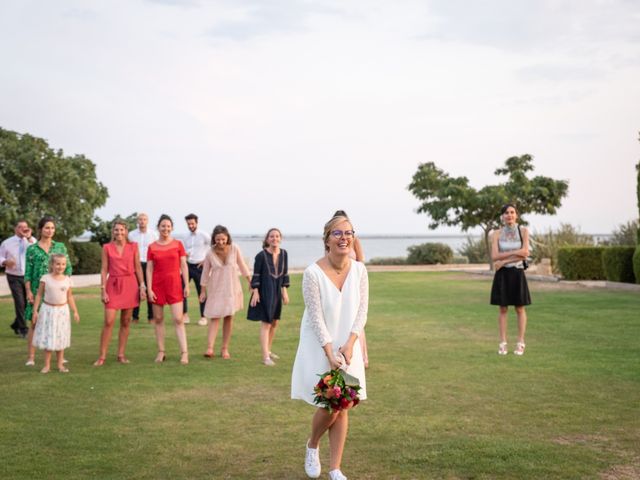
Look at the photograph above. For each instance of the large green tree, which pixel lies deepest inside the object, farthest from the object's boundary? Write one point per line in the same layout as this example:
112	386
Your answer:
451	201
35	180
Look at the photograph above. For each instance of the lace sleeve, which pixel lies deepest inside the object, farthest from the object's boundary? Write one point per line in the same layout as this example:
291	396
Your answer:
313	305
363	308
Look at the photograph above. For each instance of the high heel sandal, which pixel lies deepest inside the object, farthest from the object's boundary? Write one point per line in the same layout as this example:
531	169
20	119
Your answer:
122	359
502	348
225	354
208	354
519	349
184	358
160	357
99	362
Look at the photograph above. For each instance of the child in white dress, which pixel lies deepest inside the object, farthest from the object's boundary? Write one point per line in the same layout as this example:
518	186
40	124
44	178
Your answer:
51	321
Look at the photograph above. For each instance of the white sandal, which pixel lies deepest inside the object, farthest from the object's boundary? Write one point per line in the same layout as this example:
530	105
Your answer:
519	349
502	348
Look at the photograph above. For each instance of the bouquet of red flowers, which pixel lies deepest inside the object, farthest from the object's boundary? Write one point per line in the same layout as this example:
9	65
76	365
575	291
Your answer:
332	392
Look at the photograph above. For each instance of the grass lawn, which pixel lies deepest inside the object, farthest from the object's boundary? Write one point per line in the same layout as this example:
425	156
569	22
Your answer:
442	403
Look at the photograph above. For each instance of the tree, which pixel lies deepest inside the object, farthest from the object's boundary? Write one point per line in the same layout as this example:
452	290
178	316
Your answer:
452	201
35	181
101	229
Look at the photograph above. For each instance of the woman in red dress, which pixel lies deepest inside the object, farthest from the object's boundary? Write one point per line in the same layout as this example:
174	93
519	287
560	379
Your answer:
121	278
166	263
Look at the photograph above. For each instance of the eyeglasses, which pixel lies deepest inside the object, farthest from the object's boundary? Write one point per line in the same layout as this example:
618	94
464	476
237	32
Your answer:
340	233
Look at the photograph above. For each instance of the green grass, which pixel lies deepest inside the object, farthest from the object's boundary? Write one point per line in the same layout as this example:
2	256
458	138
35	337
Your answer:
441	403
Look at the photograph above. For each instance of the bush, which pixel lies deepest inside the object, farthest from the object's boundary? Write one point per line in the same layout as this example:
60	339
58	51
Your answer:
636	264
460	260
475	250
581	263
625	234
387	261
89	257
429	254
617	263
546	245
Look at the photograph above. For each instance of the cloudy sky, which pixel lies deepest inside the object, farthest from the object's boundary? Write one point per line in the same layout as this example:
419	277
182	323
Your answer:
254	113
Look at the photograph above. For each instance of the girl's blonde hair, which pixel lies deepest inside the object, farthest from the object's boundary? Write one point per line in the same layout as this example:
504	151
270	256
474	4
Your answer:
330	225
52	259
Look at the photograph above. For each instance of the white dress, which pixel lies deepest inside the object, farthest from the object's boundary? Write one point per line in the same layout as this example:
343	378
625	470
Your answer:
330	316
53	328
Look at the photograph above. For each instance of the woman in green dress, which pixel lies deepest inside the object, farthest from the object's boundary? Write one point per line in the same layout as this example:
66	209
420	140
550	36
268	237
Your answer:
36	265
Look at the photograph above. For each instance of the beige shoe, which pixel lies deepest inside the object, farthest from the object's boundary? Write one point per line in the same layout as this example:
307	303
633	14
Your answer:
268	362
203	321
185	319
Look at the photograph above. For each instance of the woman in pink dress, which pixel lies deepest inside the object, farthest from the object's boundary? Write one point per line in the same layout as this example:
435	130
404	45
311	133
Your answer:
122	286
221	287
166	264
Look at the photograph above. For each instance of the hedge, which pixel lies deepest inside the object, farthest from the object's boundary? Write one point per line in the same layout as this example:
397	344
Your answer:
636	264
89	257
581	263
617	263
429	254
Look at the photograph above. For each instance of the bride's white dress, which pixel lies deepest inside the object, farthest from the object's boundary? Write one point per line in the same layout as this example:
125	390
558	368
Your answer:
330	315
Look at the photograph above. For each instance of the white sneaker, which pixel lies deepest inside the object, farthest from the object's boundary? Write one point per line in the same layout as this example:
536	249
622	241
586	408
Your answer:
336	475
185	319
203	321
312	462
30	363
268	362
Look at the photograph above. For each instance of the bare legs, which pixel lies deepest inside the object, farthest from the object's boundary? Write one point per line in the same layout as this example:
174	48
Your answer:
107	330
59	360
338	424
521	313
502	323
181	334
226	335
267	332
31	350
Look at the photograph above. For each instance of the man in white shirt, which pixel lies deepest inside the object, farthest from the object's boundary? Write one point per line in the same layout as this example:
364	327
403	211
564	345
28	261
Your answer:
143	237
197	244
12	258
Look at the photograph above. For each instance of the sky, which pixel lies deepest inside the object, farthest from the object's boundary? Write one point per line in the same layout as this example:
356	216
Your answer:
261	113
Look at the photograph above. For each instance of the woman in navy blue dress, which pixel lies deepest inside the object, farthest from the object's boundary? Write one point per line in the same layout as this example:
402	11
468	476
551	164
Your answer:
269	291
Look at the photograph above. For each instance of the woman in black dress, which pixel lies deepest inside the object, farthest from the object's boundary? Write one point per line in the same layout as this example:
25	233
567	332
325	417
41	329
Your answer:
269	291
509	252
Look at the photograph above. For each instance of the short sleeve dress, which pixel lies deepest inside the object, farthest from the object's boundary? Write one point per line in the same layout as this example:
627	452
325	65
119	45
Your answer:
122	284
53	328
330	316
269	279
37	265
224	292
166	282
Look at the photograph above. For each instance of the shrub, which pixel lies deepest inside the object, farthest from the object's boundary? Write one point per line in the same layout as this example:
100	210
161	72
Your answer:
546	245
636	264
474	250
460	260
625	234
89	257
387	261
429	254
581	263
617	263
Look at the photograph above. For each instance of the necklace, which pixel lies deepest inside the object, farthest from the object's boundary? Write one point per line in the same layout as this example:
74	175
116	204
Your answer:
336	269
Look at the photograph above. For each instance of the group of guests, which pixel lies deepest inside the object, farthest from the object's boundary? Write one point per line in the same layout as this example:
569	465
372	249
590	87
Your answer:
139	266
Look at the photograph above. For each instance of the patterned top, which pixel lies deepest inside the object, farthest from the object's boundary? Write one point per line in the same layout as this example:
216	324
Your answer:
37	265
508	241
